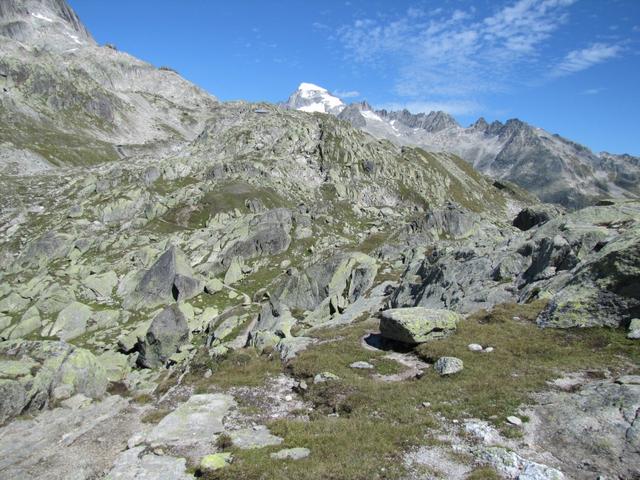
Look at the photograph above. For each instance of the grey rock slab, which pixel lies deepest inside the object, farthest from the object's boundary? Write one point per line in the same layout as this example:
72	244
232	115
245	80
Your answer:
13	399
103	284
68	443
290	347
54	368
13	303
564	423
513	466
71	321
256	437
138	464
198	420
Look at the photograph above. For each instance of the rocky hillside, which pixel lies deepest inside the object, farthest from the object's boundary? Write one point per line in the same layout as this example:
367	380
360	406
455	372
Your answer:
64	100
555	169
199	289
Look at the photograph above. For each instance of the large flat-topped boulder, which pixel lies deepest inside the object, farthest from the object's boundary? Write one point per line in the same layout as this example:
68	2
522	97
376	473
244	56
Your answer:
417	324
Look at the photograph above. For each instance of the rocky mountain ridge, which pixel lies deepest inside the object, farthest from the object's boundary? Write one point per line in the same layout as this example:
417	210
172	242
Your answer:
555	169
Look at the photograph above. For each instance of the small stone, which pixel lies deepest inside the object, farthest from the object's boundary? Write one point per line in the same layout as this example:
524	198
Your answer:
362	365
514	421
474	347
448	366
634	329
213	286
426	404
300	386
325	377
257	437
208	374
291	454
288	398
488	350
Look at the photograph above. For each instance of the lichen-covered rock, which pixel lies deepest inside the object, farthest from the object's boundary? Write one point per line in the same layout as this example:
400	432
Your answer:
274	317
49	367
169	279
71	321
256	437
603	290
234	272
168	331
13	399
13	303
327	286
102	284
116	365
289	347
416	324
137	464
46	248
268	234
197	420
448	222
215	461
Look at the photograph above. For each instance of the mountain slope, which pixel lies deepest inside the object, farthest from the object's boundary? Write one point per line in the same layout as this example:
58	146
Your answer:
557	170
64	100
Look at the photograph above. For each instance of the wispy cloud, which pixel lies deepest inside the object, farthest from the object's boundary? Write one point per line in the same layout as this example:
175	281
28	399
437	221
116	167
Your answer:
346	94
578	60
454	56
456	53
592	91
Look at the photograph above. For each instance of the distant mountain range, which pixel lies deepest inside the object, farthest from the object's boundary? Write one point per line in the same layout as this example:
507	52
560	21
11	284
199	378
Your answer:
556	169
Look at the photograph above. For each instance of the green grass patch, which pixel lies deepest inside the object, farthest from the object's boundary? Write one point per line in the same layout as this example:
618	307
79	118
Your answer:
493	385
238	368
361	426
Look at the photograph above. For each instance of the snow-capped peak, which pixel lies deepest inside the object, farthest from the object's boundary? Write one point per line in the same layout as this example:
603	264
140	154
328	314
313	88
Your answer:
310	87
313	98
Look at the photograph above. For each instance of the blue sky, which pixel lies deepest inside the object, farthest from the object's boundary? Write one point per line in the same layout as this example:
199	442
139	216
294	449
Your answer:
569	66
